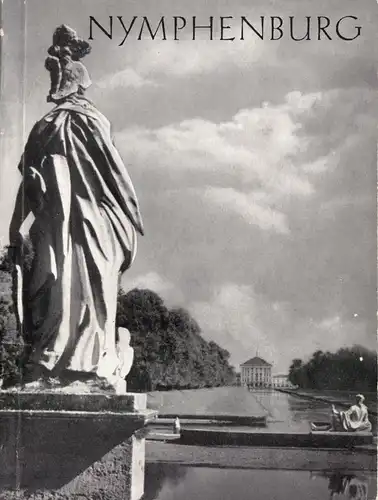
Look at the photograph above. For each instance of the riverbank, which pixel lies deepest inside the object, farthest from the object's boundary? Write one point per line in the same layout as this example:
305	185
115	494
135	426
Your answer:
341	398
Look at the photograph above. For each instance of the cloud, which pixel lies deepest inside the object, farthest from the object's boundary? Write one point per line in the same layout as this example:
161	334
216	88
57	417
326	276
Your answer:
244	321
157	283
187	58
251	165
257	145
156	61
248	207
333	332
151	280
233	317
126	78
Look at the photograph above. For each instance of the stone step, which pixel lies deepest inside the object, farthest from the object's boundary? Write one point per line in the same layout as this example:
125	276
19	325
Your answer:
248	457
219	437
60	401
251	420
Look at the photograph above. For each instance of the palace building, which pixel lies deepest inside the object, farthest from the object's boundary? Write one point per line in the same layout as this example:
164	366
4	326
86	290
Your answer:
256	373
282	381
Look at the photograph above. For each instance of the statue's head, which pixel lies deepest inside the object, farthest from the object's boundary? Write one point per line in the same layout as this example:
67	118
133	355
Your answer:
67	74
360	398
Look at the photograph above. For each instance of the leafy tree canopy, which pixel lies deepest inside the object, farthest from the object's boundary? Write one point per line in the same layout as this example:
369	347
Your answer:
170	351
350	368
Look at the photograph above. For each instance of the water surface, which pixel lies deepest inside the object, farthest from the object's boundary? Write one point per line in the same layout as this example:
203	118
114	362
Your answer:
172	482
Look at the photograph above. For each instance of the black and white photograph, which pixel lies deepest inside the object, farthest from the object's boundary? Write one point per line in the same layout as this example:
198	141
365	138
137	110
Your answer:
188	249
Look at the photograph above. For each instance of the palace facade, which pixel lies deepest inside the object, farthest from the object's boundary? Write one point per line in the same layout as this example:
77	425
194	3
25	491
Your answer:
256	373
282	380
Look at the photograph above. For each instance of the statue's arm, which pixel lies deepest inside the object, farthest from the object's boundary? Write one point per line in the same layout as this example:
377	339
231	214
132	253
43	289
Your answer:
349	412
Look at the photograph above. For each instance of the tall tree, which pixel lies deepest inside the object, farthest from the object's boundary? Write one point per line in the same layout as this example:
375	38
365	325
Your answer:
349	368
169	349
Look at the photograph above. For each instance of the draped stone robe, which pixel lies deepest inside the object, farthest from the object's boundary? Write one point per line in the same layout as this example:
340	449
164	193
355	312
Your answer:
85	217
356	418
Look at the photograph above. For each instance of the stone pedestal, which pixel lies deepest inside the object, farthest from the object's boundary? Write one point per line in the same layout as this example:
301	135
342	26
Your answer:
72	446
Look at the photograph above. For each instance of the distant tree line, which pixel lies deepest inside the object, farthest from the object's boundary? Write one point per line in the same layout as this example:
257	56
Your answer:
353	368
169	349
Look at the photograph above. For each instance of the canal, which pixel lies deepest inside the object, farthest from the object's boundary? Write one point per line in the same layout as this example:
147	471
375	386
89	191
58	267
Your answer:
206	479
172	482
286	412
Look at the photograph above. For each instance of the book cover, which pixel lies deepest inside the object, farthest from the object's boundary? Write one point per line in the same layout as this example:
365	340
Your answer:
208	195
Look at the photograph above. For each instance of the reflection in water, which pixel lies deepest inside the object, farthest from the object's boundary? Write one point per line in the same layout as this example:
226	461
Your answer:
157	475
349	486
171	481
295	412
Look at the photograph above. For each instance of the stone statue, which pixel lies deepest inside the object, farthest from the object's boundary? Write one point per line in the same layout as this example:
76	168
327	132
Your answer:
354	419
73	231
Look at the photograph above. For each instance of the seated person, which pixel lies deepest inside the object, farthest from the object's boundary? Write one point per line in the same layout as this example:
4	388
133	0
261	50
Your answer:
352	420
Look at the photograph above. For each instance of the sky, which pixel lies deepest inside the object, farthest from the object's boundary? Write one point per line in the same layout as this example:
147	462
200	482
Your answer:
254	163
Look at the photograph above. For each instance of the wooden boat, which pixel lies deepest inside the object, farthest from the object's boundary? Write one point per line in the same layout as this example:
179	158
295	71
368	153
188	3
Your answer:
320	426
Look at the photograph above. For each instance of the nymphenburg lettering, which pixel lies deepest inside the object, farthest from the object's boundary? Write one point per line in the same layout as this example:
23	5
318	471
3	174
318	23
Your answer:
226	28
